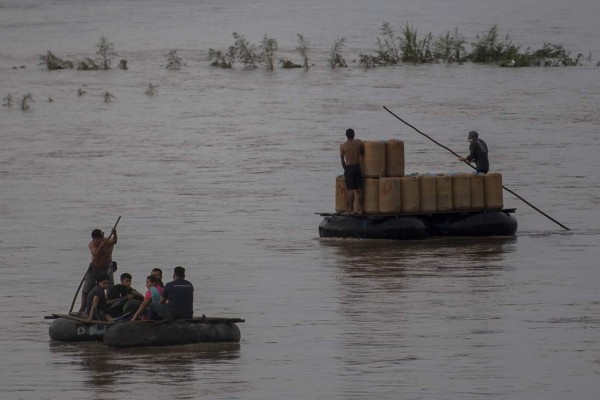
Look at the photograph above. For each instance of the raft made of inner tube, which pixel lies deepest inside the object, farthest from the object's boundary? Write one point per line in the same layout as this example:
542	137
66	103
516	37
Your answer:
419	226
70	328
168	333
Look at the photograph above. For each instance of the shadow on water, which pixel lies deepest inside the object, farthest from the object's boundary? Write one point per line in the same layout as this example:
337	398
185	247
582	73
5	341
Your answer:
108	366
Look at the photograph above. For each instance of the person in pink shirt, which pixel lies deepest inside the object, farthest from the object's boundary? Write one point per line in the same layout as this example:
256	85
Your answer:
152	295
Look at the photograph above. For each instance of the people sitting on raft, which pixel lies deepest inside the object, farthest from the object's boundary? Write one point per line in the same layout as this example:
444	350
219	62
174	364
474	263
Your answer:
176	300
152	296
96	307
157	272
123	298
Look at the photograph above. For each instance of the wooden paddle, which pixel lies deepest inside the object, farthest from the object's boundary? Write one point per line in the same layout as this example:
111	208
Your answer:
87	271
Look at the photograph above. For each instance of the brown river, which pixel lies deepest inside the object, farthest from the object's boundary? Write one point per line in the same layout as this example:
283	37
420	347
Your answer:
223	172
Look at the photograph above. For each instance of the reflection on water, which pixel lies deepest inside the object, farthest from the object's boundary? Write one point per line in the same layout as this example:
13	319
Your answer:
434	255
106	366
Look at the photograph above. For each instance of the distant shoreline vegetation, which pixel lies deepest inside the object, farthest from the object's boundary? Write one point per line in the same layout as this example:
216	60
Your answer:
393	48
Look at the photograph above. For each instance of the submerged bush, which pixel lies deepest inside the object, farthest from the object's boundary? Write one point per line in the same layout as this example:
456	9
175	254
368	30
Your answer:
413	49
150	90
8	101
387	52
220	59
303	48
489	49
554	55
25	101
105	50
173	60
268	49
53	62
288	64
87	64
245	52
335	57
449	47
107	96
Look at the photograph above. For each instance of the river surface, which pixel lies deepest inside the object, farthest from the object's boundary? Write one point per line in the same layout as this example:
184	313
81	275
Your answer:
222	172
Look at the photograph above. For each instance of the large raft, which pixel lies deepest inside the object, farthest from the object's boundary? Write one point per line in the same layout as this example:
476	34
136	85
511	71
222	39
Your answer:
70	328
419	226
417	206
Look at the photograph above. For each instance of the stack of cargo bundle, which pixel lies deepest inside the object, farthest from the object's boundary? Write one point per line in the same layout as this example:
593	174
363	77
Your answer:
386	189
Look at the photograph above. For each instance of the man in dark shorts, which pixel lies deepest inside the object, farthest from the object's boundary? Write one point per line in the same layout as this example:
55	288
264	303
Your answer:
350	152
478	152
101	250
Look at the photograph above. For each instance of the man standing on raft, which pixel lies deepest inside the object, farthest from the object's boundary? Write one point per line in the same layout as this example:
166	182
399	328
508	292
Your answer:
350	152
478	152
101	249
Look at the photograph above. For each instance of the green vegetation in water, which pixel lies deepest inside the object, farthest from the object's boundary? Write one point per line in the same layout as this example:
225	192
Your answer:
80	92
244	51
8	101
550	55
335	54
450	47
25	101
288	64
388	50
88	64
173	61
489	49
414	49
53	62
304	49
222	59
268	52
106	50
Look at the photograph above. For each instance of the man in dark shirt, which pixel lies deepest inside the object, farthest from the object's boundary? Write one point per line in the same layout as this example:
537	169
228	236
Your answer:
478	152
177	299
122	297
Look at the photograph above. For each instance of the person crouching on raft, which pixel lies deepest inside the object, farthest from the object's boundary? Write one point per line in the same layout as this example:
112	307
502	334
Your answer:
97	309
478	152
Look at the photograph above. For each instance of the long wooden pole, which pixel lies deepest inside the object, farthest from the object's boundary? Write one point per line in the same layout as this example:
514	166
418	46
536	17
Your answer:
87	271
504	187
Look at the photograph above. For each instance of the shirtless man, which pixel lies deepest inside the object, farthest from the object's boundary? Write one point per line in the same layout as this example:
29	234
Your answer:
350	152
101	249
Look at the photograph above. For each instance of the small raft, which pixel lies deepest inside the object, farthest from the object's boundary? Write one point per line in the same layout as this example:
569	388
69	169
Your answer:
71	328
419	226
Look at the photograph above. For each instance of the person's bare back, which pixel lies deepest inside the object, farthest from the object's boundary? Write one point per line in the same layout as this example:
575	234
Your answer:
350	151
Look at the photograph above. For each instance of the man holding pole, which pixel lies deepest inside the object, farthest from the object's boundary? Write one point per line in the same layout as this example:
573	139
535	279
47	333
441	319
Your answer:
350	152
478	152
101	249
